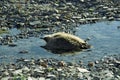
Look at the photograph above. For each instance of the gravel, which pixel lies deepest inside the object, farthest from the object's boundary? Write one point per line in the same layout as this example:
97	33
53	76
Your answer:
49	16
107	68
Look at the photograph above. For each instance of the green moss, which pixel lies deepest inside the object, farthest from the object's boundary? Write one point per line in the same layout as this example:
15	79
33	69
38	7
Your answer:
3	31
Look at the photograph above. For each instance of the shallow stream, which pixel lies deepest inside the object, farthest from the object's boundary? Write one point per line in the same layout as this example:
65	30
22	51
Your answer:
104	37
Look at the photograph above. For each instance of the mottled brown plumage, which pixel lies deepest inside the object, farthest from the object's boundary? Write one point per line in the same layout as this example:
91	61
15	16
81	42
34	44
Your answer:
65	42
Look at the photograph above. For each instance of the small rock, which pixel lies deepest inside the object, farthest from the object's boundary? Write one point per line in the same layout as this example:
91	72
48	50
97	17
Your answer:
91	64
51	76
24	51
25	70
38	72
12	44
6	78
96	62
44	64
50	69
35	22
5	73
42	78
82	70
32	78
80	75
17	72
118	27
117	63
61	63
4	28
59	69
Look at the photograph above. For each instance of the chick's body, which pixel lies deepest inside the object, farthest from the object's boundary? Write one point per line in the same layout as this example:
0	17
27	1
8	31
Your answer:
64	41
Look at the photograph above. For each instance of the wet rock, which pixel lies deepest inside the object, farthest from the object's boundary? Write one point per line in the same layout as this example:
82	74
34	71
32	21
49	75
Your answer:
43	64
96	62
42	78
4	28
24	52
6	73
61	63
12	44
38	72
117	63
59	69
6	78
51	76
107	74
82	70
118	27
31	78
25	70
22	36
35	23
91	64
17	72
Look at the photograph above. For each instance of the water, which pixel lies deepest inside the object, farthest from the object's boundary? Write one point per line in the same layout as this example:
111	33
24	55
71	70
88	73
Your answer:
104	37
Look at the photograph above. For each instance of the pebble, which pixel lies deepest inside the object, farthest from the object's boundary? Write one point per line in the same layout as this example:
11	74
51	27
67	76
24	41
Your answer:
53	71
61	63
42	78
17	72
82	70
118	27
25	70
51	76
59	69
43	17
6	78
12	44
91	64
24	51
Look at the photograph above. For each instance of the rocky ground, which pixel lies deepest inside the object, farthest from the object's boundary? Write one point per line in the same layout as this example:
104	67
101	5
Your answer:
108	68
38	17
